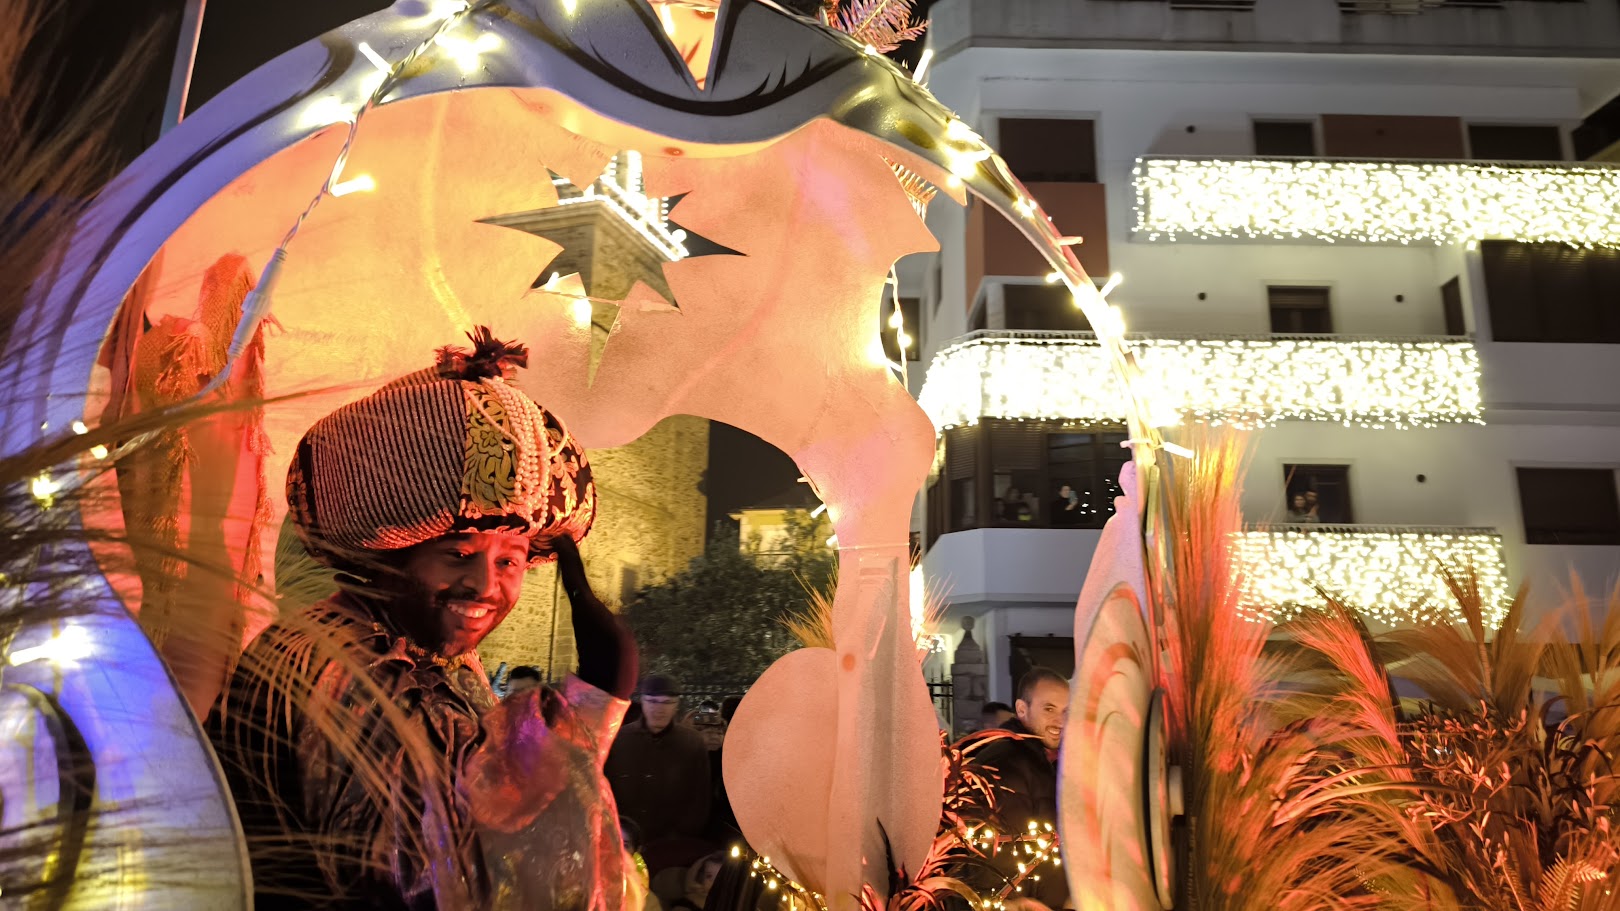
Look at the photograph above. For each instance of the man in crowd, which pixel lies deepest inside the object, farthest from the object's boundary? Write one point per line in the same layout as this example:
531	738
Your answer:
523	677
369	760
1022	762
994	715
659	770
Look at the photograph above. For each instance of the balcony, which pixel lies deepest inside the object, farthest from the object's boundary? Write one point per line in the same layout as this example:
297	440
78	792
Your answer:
1246	381
1378	202
1390	573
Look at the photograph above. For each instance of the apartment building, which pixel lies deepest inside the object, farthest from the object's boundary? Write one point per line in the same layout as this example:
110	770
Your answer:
1364	226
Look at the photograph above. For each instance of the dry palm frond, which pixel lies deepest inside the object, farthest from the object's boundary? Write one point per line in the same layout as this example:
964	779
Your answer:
1292	800
813	628
884	25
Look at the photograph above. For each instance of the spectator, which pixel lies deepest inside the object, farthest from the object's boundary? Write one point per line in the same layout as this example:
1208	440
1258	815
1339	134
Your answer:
523	678
1314	506
659	771
1014	507
1299	510
722	830
995	714
1066	507
688	888
1024	769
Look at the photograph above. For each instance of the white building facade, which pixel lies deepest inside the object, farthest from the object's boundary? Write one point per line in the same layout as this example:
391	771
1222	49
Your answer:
1357	224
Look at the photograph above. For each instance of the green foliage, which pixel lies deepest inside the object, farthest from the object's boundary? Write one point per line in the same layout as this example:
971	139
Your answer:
721	619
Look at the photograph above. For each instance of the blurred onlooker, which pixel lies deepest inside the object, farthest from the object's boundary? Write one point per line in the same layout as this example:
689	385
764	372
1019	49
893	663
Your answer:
1066	509
523	677
688	887
995	714
1300	511
722	830
659	771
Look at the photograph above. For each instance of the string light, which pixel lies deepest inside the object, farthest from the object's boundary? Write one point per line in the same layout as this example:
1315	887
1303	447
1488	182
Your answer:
1247	382
362	184
1391	574
44	489
1376	202
62	648
467	53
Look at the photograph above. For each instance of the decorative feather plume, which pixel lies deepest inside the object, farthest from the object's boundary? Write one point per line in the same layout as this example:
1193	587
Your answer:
883	24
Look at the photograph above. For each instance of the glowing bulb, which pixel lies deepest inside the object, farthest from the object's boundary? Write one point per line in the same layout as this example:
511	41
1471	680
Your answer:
897	319
375	58
871	50
63	648
1053	278
903	340
959	130
1025	206
361	184
1114	281
325	111
966	164
466	53
44	488
818	510
920	74
99	452
582	310
80	428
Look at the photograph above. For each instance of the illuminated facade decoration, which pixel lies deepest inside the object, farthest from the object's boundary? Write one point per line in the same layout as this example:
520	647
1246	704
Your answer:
1376	201
621	190
1393	574
1243	381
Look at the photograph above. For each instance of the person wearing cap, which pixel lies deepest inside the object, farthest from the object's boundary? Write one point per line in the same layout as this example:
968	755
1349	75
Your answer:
659	770
371	765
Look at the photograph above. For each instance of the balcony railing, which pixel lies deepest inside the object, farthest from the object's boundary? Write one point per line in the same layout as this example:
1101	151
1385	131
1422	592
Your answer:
1246	381
1436	202
1392	573
621	191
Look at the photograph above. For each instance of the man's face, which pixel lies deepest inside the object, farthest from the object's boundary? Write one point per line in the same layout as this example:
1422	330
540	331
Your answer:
1299	501
1064	491
458	588
1310	498
1045	712
660	711
714	735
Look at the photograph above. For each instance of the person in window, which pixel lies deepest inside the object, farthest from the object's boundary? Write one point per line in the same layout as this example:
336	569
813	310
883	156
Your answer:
1014	508
1300	511
1313	506
1066	507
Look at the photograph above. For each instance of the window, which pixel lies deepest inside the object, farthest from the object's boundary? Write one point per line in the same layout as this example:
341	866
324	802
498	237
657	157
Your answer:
1299	311
1285	138
1042	150
911	316
1043	306
1515	143
1551	292
1043	475
1451	302
1363	136
1569	505
1318	494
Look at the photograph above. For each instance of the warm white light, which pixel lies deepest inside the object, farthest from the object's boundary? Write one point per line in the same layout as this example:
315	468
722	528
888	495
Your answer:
1114	281
959	130
1377	201
99	452
1053	278
1391	574
324	111
466	53
875	352
1246	382
582	310
444	9
361	184
965	164
1177	450
1025	206
897	319
903	340
920	74
44	488
375	58
80	428
65	647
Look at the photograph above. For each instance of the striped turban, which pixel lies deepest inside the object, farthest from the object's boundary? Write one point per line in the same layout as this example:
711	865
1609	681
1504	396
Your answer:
452	448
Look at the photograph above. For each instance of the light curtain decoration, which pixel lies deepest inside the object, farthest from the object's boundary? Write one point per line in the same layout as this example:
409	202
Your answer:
1438	202
1247	382
1392	574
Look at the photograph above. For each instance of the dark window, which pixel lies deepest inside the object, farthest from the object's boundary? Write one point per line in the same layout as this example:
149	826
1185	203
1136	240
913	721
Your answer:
1046	476
1049	150
1285	138
1318	494
1377	136
1299	310
1451	302
1025	653
1569	506
1044	306
1551	292
911	316
1515	143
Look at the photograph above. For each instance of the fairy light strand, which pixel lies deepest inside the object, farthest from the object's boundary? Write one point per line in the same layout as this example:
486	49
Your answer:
1376	201
1246	382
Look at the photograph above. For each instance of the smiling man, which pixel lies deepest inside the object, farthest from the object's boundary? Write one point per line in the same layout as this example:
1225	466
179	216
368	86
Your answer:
369	760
